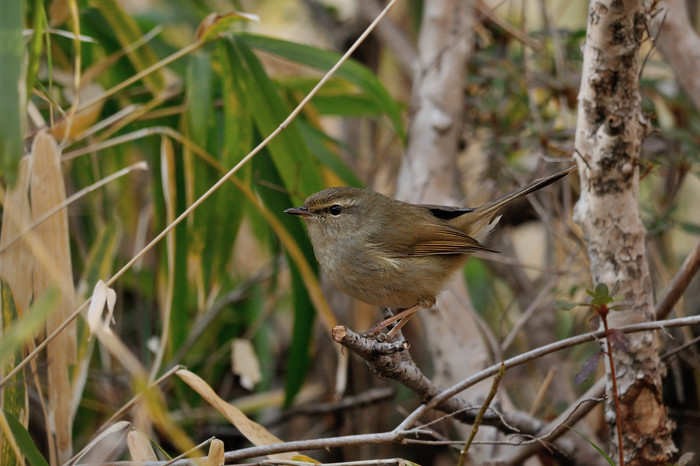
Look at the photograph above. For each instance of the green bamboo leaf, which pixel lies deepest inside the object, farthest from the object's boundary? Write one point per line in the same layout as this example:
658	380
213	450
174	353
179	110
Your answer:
100	260
12	87
318	143
337	97
295	165
128	32
217	221
24	441
323	60
39	26
346	105
180	316
238	118
200	100
299	357
14	396
598	449
15	334
23	329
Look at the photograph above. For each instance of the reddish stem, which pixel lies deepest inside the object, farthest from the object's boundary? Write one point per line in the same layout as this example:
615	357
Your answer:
618	411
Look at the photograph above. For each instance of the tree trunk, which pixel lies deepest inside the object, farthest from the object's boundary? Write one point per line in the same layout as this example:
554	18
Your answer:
609	134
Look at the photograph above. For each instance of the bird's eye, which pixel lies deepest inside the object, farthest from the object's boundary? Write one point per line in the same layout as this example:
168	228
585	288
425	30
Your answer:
335	209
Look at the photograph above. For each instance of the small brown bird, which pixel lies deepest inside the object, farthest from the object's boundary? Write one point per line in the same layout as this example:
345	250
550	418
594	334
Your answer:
392	253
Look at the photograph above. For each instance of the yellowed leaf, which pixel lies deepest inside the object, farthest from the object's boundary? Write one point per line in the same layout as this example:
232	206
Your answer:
216	456
74	124
59	12
53	267
253	431
113	429
305	459
140	447
245	363
16	262
101	296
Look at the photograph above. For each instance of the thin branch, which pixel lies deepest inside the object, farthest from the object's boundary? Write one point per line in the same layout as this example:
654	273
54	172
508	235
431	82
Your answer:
514	32
391	36
391	361
480	414
679	284
537	353
673	292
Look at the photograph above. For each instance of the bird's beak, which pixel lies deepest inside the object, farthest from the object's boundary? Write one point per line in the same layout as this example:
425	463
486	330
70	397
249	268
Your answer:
300	211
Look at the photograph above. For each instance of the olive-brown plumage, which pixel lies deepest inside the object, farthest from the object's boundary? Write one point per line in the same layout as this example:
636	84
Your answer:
392	253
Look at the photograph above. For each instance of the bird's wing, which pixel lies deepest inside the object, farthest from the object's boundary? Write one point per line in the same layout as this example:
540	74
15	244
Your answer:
446	212
431	238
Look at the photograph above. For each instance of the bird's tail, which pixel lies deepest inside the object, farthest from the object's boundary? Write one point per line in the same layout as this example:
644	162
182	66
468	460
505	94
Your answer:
484	218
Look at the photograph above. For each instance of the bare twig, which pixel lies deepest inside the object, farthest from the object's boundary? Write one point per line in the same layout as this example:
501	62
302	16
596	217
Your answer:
387	362
537	353
514	32
680	282
673	292
391	36
615	394
480	415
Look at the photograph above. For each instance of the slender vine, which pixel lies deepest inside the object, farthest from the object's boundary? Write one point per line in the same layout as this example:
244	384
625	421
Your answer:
599	301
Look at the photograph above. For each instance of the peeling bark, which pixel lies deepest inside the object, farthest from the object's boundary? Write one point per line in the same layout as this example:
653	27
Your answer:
609	134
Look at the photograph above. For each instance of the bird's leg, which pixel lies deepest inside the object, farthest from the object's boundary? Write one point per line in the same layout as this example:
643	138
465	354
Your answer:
387	312
405	315
402	317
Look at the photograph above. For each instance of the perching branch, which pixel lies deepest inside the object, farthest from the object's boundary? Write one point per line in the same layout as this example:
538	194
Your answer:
392	361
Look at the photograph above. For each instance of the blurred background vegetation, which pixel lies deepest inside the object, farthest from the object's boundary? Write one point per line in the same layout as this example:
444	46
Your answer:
229	275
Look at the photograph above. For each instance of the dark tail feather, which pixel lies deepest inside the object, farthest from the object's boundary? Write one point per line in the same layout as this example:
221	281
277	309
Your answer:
487	212
539	183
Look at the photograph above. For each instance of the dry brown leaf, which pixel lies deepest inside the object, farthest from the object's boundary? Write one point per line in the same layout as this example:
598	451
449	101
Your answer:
113	429
140	447
59	12
16	263
216	456
53	268
101	296
253	431
73	125
245	363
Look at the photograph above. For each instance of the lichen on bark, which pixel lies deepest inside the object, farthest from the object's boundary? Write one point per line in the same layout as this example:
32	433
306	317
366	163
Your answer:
609	134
